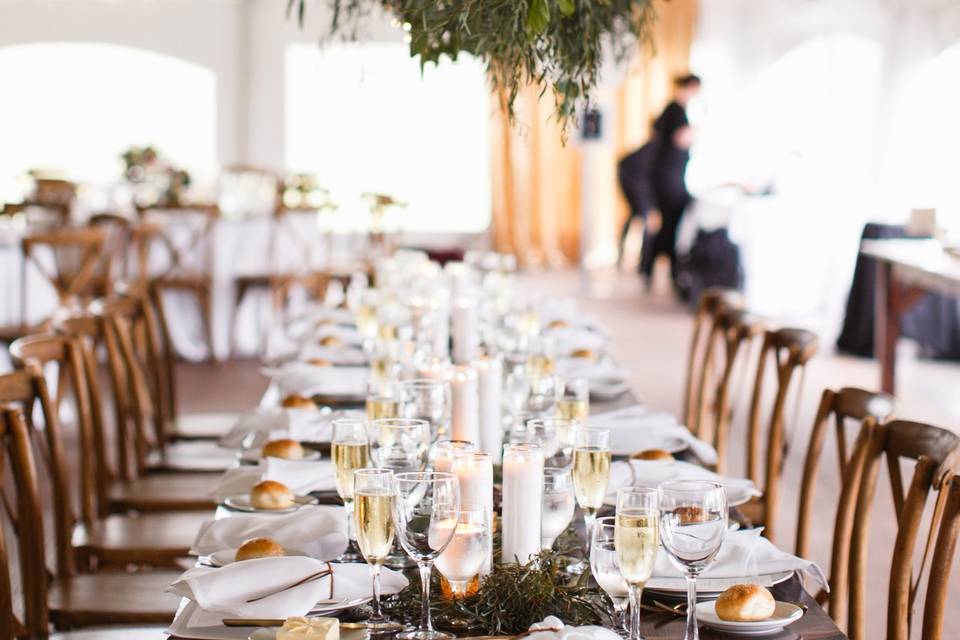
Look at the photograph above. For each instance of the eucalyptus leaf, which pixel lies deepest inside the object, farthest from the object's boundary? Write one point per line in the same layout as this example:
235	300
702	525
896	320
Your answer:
567	7
538	17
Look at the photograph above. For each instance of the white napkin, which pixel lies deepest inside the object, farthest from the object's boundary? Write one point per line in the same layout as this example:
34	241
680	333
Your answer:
320	532
553	629
570	339
298	377
744	554
636	428
565	309
335	355
224	593
300	424
650	473
301	476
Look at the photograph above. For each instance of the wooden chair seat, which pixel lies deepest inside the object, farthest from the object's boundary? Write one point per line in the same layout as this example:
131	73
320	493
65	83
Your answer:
196	281
192	456
201	426
163	492
149	538
112	598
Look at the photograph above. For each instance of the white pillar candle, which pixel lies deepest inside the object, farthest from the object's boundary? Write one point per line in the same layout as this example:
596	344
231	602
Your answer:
475	473
522	501
466	404
434	369
445	451
466	330
490	372
441	330
459	274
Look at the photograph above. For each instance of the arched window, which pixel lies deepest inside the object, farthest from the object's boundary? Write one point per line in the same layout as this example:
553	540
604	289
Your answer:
75	107
364	119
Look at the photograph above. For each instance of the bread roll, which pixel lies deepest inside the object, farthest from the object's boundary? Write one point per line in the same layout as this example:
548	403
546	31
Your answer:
586	354
297	401
320	362
652	454
331	341
270	494
283	448
259	548
745	603
558	324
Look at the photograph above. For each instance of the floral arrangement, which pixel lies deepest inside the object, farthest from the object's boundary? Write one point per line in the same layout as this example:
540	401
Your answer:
553	44
158	182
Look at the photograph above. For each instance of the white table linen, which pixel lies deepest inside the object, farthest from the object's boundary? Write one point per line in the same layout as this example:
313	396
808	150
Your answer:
320	532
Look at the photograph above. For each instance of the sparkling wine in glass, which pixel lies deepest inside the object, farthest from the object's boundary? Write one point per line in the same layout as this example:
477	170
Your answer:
574	402
636	540
558	504
374	494
350	451
605	566
591	473
426	513
465	556
693	521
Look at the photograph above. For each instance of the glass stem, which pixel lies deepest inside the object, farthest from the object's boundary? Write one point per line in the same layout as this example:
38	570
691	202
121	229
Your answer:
635	592
589	519
692	632
375	572
348	505
425	623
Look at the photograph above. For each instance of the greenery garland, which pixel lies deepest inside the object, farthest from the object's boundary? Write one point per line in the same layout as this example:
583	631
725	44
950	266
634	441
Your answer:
556	44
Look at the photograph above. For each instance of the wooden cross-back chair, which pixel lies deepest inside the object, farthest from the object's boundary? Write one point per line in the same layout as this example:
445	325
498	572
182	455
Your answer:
732	333
98	537
65	598
768	438
184	236
710	303
936	454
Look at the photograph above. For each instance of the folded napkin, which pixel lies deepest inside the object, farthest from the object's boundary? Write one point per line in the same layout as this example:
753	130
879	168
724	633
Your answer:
334	355
299	377
650	473
349	335
570	339
226	592
320	532
566	310
301	476
607	379
553	629
744	554
305	425
637	428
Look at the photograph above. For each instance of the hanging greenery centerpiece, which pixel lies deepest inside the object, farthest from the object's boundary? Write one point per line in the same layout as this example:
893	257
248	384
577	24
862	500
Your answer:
553	44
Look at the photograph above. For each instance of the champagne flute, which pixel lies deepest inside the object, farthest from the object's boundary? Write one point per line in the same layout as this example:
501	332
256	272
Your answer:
350	451
605	567
465	556
429	400
574	403
636	540
555	437
558	504
693	520
374	494
426	511
591	473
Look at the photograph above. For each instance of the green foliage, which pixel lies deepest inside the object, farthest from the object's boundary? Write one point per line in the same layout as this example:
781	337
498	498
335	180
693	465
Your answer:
554	44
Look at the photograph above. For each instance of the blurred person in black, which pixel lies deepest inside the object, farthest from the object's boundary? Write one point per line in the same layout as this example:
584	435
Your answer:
673	137
634	174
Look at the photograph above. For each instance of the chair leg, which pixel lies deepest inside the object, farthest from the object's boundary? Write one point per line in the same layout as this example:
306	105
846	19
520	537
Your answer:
206	310
240	294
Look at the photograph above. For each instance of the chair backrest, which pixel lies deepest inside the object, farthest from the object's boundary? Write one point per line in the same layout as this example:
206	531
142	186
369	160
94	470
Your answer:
118	241
23	389
942	563
789	350
711	301
844	406
26	522
77	254
182	237
937	454
732	333
67	354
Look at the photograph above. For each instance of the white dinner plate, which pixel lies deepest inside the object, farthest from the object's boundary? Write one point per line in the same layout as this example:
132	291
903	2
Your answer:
242	503
784	614
228	556
608	388
252	456
712	586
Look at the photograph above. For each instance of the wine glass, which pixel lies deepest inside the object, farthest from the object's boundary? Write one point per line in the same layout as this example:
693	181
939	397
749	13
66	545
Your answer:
465	556
399	444
591	473
543	389
374	494
429	400
636	540
693	520
574	403
426	513
605	566
350	451
558	504
555	437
